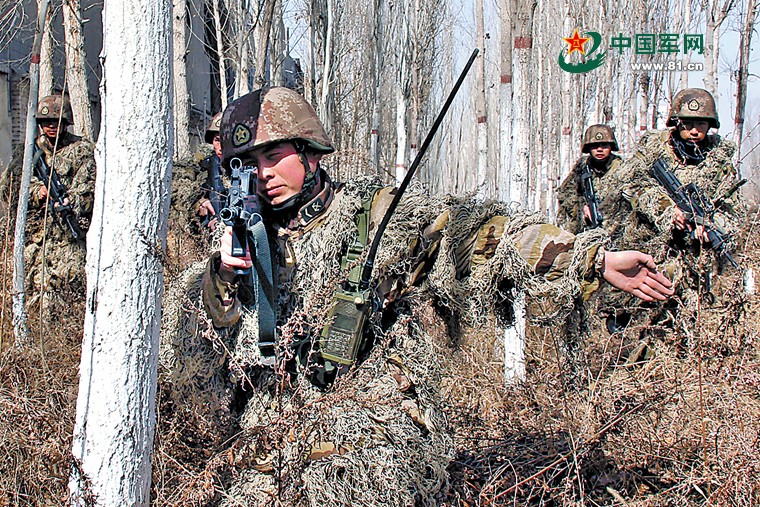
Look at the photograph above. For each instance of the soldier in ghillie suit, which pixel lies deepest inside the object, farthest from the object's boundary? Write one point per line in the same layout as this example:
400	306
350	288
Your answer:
598	159
214	190
318	429
54	258
694	156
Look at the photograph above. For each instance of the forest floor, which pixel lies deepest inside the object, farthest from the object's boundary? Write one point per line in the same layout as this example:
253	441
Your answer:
641	417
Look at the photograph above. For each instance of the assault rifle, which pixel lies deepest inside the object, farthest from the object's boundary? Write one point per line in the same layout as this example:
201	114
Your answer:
56	193
243	214
589	194
695	205
216	190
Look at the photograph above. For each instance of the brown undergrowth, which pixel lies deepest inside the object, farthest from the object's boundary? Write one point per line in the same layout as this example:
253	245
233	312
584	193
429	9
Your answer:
676	423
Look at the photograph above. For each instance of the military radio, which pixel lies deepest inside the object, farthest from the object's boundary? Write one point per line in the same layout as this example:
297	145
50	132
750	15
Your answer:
344	335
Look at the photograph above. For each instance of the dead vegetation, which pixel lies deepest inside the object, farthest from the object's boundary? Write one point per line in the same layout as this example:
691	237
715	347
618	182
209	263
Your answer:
674	423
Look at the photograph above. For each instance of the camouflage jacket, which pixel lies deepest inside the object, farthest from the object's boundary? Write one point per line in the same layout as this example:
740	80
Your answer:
74	161
462	253
713	176
570	200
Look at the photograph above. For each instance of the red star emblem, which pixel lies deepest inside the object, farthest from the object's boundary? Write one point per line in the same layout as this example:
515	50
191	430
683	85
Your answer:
576	42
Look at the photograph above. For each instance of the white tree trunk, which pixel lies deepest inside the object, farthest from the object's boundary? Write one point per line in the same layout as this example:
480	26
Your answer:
514	345
480	105
686	58
220	52
181	106
374	152
505	102
46	54
20	320
76	72
401	138
324	96
523	47
742	75
115	421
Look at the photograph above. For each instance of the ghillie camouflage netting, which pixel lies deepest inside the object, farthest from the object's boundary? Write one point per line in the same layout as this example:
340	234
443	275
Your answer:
663	414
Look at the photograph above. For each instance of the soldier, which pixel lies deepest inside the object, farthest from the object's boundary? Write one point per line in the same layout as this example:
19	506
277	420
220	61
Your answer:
214	191
61	263
375	436
573	212
695	156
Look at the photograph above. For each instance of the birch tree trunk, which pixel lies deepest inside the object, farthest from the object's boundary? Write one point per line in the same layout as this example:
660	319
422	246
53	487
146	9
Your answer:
261	38
715	17
523	47
377	90
46	54
181	106
685	58
76	72
401	138
115	421
505	101
324	96
743	74
220	52
20	318
480	104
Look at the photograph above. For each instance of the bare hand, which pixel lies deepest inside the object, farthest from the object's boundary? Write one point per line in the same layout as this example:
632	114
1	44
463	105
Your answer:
636	273
204	210
587	213
42	192
229	263
680	222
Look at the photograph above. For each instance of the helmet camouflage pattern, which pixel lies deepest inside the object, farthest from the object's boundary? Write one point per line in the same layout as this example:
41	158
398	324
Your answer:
49	108
693	103
271	115
214	126
598	134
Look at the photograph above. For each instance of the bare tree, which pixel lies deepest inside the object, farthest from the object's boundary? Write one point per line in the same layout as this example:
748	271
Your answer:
505	100
46	53
715	15
480	103
742	74
115	422
76	72
181	104
20	319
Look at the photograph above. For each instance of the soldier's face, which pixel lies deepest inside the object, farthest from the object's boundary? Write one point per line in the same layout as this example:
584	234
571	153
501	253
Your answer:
217	143
694	130
280	171
49	128
600	151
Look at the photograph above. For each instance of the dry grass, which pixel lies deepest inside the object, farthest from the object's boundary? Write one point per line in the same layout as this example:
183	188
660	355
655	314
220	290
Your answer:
585	428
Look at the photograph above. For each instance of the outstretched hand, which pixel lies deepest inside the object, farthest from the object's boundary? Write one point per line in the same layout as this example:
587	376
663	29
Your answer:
636	273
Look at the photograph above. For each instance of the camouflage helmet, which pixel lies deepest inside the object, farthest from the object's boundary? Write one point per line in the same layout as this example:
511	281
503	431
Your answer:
693	103
599	134
214	126
49	108
270	115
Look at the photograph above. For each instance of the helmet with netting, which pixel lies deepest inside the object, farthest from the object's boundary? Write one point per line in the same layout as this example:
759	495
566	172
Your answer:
693	104
54	107
598	134
268	116
214	126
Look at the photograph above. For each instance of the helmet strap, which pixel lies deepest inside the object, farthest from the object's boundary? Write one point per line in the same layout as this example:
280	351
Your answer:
311	180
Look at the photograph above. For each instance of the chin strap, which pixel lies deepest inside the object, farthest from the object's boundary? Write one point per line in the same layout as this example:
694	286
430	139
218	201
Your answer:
310	181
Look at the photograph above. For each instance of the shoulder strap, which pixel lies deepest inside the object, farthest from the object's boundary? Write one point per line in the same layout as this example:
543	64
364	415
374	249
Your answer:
356	249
